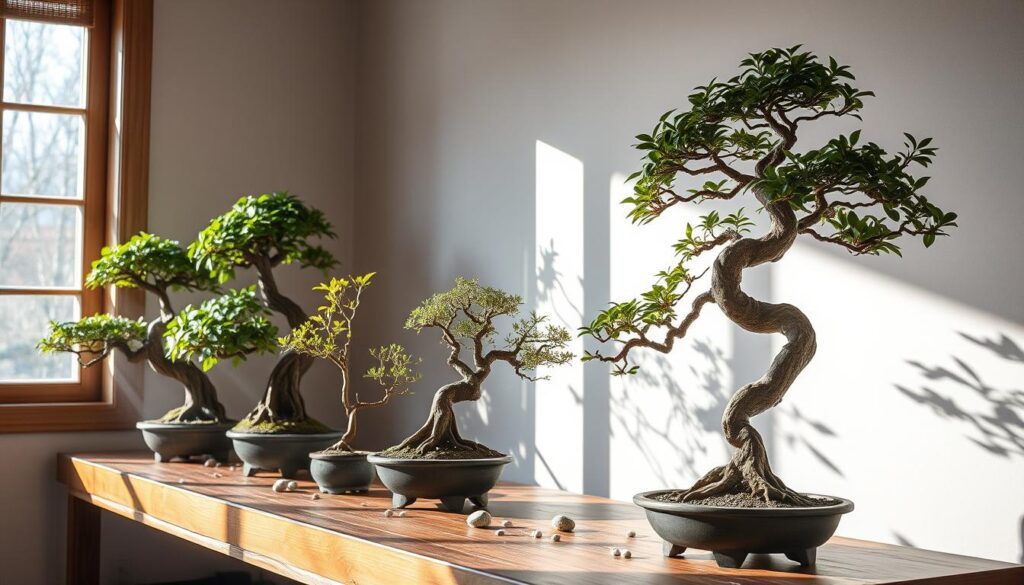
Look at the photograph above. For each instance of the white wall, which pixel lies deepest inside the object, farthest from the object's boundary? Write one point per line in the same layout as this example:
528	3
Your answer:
248	97
474	116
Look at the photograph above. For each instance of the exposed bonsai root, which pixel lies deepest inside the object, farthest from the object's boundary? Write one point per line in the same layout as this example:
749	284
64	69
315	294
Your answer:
193	414
748	472
282	403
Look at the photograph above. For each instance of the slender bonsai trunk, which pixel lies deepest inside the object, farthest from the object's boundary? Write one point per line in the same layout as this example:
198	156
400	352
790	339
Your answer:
201	404
749	470
282	400
440	429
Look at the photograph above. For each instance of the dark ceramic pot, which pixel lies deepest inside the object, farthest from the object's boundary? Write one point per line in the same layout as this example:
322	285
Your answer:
182	440
452	481
733	533
339	474
284	452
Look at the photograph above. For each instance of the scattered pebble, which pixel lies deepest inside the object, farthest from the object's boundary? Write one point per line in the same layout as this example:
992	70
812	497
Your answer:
315	496
537	534
507	524
401	514
280	485
292	486
181	481
219	464
555	538
210	463
389	513
626	554
215	474
479	519
631	534
563	523
500	532
616	552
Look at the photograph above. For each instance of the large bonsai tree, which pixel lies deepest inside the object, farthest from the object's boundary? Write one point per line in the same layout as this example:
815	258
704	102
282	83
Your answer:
262	233
157	266
741	134
466	314
328	335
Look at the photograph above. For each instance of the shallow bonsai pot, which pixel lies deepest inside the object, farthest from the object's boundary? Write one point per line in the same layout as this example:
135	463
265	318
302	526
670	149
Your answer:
450	480
284	452
341	473
733	533
182	440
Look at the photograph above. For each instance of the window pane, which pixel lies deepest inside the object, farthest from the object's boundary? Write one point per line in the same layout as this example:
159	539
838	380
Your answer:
43	154
40	245
44	64
25	320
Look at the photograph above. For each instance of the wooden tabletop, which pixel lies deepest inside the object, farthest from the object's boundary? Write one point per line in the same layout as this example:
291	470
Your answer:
347	539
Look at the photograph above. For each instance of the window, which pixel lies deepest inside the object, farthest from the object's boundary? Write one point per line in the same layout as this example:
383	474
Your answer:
72	178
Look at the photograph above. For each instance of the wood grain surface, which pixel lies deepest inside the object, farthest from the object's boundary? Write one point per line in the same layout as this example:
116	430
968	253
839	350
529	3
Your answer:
347	539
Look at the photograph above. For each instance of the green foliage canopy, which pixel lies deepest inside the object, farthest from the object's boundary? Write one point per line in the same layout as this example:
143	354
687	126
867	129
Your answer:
95	335
147	261
274	228
229	326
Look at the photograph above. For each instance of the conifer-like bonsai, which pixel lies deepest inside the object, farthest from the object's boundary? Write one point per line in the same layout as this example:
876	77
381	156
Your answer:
328	335
741	135
465	315
262	233
159	266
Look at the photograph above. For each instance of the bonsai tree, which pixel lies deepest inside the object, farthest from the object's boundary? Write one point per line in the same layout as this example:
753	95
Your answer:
157	266
740	136
465	315
262	233
328	335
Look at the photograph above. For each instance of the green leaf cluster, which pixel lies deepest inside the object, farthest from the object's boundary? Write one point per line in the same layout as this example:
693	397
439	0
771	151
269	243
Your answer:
94	334
147	260
394	367
226	327
275	227
328	333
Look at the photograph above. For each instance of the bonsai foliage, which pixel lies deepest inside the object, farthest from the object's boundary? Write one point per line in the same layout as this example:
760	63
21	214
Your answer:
465	317
230	326
262	233
157	266
739	137
328	335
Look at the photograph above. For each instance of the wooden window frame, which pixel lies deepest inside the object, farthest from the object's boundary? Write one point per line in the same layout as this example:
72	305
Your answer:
111	394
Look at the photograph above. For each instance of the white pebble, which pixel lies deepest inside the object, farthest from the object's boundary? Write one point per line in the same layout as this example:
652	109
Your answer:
563	523
479	519
631	534
626	554
210	463
537	534
315	496
181	481
616	552
292	486
507	524
500	532
215	474
555	538
219	464
280	485
401	514
389	513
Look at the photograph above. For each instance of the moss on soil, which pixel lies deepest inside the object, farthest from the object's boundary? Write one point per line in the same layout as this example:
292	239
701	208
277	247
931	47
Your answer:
741	500
307	426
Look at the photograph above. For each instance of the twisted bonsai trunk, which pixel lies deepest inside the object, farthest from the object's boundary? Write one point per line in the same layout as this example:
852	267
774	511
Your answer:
440	430
201	404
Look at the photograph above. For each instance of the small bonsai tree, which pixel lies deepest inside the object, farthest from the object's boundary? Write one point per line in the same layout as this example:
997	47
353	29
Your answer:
328	335
157	266
262	233
466	314
742	133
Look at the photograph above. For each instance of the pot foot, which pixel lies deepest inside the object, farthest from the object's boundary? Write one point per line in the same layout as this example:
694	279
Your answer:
453	503
160	458
672	550
478	501
806	557
289	472
248	470
400	501
729	559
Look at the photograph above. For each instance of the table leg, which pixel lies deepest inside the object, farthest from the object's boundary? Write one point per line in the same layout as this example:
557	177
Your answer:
83	552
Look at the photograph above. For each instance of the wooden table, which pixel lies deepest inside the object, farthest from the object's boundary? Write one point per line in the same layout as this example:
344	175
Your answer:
347	539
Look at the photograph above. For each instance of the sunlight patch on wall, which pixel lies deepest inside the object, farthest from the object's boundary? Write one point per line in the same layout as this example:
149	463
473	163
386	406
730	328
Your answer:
559	295
666	420
913	408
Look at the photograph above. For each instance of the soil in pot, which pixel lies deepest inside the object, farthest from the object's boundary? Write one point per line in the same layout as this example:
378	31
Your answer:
443	451
744	500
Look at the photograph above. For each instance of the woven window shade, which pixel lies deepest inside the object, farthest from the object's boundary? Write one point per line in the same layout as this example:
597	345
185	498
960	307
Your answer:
78	12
